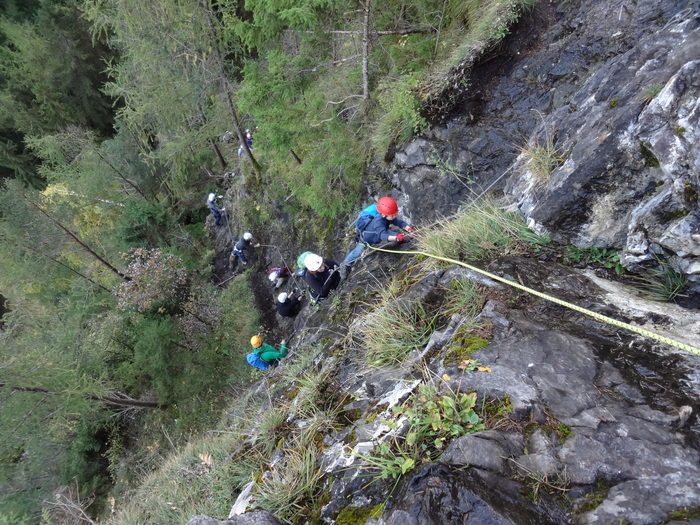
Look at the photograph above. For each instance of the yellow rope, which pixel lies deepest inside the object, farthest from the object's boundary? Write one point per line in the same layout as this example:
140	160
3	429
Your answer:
590	313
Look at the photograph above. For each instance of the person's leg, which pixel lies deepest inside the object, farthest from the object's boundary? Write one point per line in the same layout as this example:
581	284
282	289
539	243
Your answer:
355	254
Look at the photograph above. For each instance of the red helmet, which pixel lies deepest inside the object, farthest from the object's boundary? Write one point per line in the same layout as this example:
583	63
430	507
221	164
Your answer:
387	206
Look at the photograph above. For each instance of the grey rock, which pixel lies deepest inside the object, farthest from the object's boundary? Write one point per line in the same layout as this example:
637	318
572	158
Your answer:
257	517
645	501
486	450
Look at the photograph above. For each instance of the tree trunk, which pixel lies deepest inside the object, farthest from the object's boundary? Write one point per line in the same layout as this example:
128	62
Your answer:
365	52
124	401
296	157
79	241
219	156
227	87
76	272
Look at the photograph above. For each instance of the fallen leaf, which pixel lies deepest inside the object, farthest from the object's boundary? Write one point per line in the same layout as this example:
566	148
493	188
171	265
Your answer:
207	459
483	368
464	364
445	377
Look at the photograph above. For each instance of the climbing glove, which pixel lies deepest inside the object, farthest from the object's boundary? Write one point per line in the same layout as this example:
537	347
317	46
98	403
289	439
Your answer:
409	229
400	237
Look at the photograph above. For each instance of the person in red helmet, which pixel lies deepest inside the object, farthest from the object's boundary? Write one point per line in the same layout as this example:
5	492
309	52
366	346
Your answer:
373	227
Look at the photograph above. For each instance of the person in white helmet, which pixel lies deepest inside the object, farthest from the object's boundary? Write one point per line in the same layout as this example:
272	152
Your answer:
322	275
288	305
244	243
215	210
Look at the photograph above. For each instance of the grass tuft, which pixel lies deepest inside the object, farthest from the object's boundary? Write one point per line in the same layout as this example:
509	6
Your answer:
484	230
543	157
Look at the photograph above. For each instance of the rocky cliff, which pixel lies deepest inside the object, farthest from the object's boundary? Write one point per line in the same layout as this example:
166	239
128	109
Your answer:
601	424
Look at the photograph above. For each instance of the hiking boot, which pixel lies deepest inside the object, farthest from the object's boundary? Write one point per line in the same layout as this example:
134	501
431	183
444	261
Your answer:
344	271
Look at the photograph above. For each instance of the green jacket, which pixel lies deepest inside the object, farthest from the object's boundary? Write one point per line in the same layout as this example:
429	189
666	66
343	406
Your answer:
269	354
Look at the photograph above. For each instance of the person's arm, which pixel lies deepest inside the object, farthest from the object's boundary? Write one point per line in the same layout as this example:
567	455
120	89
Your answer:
328	282
270	354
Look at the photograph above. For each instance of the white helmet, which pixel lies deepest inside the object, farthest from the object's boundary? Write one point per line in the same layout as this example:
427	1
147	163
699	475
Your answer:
212	196
247	236
313	262
282	297
273	276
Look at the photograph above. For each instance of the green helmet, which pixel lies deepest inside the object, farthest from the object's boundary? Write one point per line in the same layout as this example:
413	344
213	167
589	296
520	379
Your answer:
300	260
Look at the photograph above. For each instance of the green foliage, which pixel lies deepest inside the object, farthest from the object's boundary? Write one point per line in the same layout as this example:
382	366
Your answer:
483	230
143	223
433	419
543	157
394	329
52	74
650	93
463	298
400	110
605	257
683	514
663	283
536	241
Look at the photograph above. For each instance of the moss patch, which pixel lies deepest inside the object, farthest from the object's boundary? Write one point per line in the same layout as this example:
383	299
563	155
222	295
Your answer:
683	514
690	192
464	348
649	158
358	515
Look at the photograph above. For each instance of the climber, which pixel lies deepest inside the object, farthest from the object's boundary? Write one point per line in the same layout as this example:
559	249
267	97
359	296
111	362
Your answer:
288	305
215	210
263	355
242	245
277	276
321	275
373	227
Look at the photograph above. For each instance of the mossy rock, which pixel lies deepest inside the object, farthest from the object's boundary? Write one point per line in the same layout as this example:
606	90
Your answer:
358	515
464	348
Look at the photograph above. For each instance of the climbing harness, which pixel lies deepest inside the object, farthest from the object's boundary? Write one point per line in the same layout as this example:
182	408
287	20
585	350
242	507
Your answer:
571	306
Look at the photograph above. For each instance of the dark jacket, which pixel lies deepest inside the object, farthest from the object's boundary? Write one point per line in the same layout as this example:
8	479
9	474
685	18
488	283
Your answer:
321	283
377	229
290	307
242	244
213	207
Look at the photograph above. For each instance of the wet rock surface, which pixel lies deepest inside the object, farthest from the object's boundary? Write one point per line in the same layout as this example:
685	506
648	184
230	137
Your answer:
604	423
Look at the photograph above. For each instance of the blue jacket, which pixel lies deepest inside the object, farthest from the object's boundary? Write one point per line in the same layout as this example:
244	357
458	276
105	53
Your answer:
377	229
213	207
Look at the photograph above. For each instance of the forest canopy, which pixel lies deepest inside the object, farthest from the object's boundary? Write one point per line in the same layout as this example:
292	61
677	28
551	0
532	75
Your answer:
112	125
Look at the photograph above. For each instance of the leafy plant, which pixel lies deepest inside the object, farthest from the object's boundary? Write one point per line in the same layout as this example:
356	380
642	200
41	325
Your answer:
429	421
606	257
434	418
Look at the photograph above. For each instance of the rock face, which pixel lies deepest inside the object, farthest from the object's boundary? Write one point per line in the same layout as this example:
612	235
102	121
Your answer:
632	142
615	89
612	421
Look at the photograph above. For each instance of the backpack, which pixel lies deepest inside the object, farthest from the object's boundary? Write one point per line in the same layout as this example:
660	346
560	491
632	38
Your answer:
256	361
366	215
300	261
